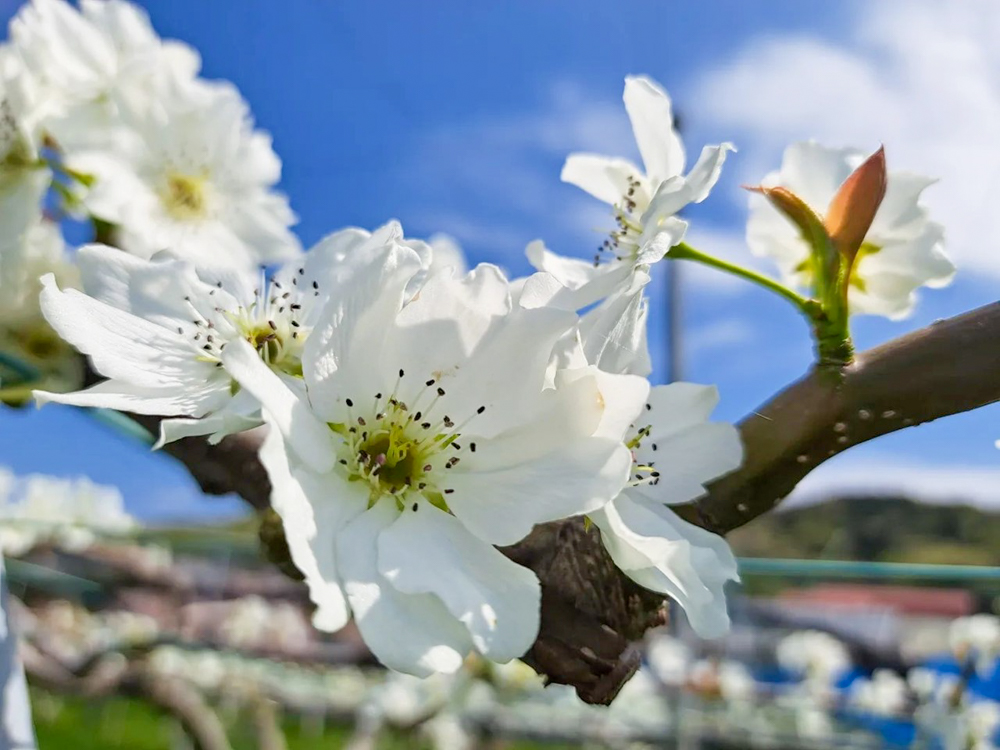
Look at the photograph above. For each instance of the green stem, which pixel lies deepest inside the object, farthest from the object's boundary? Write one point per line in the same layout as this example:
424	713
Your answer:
833	340
23	369
16	395
684	251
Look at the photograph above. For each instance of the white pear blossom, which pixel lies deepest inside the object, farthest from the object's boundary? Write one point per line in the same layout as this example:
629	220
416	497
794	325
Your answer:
902	250
646	203
195	179
428	433
675	451
84	65
157	329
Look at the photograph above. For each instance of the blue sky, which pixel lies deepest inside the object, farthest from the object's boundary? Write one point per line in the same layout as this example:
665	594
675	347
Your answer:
455	117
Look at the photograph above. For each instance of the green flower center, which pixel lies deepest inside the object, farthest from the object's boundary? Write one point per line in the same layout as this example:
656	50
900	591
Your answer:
280	349
185	197
402	451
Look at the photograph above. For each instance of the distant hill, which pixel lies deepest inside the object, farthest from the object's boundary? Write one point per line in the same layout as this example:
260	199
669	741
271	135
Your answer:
884	529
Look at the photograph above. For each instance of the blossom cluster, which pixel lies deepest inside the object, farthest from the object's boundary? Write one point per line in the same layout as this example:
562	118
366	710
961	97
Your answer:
419	417
70	513
101	120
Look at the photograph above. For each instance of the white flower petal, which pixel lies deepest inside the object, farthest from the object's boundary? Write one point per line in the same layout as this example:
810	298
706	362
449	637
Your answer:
662	552
240	413
614	333
675	194
310	438
429	551
570	272
121	345
122	396
501	505
688	460
496	486
815	172
604	177
679	406
314	509
586	282
353	328
900	216
408	632
650	111
448	319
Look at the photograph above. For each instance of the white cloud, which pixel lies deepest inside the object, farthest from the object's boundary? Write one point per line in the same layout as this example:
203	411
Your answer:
507	165
867	475
921	76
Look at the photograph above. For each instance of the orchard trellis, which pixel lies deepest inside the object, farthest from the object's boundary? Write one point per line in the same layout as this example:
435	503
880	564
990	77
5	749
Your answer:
464	454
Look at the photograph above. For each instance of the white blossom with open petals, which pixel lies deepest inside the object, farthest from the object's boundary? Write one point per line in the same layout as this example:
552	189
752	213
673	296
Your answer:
675	451
157	328
646	203
195	178
427	434
902	251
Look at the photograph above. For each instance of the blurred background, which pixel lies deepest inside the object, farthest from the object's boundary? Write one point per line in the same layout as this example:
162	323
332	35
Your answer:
456	117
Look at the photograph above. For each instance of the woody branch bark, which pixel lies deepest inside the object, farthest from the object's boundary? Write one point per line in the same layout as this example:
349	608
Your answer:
949	367
591	613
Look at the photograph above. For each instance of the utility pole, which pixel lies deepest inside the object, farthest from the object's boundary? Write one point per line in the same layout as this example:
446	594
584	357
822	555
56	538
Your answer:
674	336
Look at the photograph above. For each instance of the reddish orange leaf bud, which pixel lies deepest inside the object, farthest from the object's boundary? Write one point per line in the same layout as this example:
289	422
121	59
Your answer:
853	208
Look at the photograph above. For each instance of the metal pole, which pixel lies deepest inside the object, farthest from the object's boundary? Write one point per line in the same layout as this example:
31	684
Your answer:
674	336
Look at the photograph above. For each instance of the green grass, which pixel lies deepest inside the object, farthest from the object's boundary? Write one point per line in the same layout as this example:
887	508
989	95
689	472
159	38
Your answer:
66	723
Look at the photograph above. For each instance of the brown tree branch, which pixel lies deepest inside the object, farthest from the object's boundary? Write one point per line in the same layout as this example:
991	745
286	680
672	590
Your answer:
949	367
591	613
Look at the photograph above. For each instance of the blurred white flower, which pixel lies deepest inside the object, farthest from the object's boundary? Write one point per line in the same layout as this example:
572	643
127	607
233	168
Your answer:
71	513
645	203
902	250
404	700
982	717
24	177
195	179
675	451
817	656
446	731
82	66
255	622
884	694
976	638
736	683
669	659
426	436
24	333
